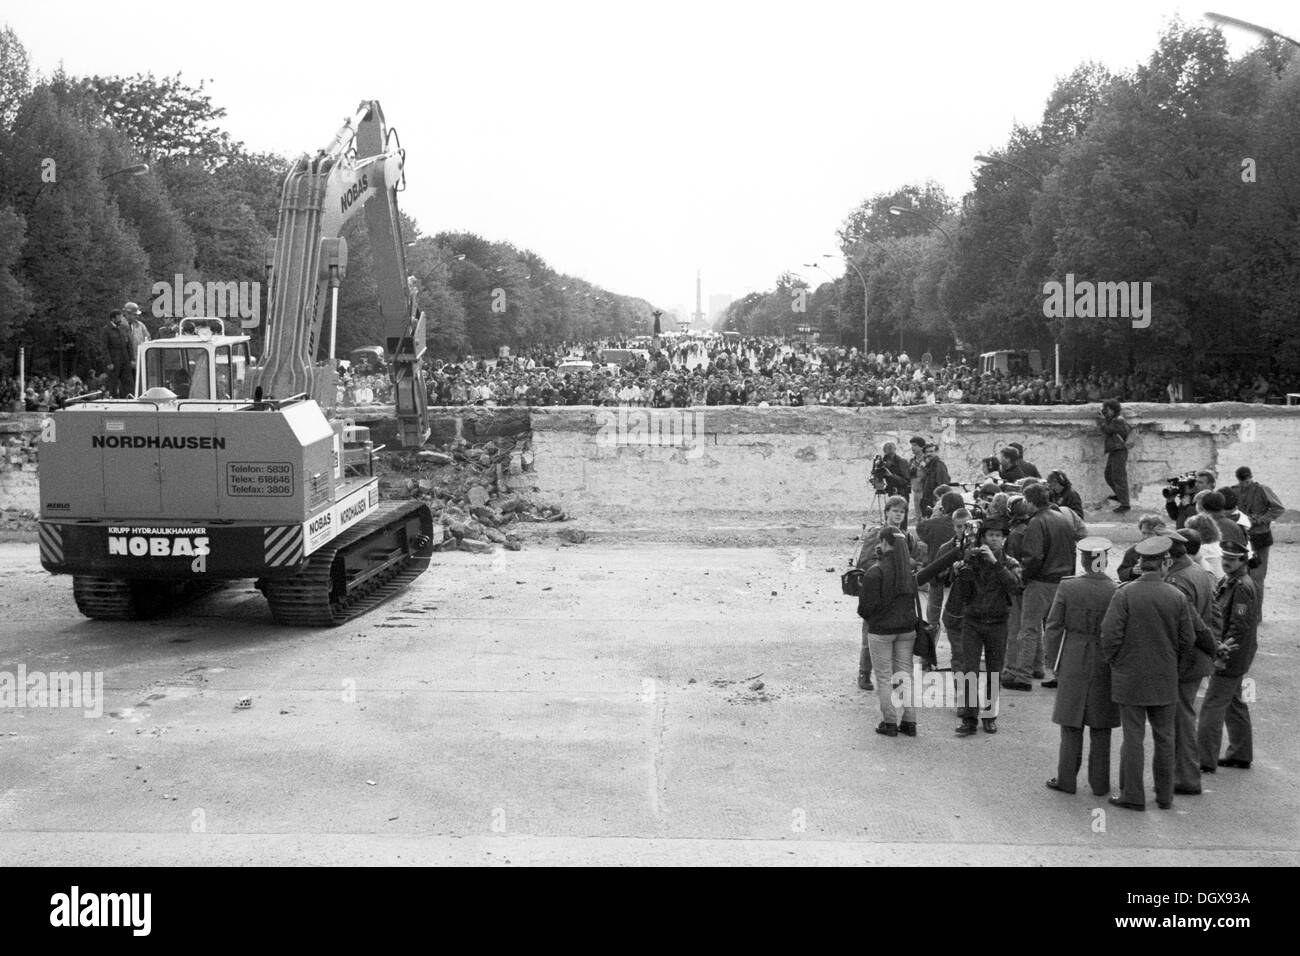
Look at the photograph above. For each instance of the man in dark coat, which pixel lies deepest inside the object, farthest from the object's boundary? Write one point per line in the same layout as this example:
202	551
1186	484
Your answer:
1046	556
933	473
1083	697
986	581
1198	585
1146	631
1239	609
121	358
1262	506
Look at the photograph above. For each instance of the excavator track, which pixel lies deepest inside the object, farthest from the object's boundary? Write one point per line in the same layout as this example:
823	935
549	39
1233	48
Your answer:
119	599
361	568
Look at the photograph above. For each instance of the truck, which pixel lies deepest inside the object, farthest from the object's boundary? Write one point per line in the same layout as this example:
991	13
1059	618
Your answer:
226	465
1012	362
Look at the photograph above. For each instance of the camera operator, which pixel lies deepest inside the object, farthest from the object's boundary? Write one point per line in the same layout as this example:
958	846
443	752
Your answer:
1180	499
986	580
891	472
1262	507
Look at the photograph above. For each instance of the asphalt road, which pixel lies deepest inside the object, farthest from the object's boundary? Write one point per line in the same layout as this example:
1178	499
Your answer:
569	704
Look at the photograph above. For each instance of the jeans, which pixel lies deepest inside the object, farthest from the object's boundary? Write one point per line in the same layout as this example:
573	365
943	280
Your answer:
1222	704
1132	753
991	639
1117	474
891	655
1187	765
1025	656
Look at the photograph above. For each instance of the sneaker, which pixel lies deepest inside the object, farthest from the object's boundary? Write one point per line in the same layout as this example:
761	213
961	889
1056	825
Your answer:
889	730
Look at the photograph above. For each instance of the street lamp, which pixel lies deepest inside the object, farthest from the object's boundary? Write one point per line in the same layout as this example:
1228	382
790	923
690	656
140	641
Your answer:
903	210
866	314
1006	162
138	169
1223	20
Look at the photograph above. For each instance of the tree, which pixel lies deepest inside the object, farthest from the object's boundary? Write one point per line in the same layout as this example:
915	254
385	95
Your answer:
165	118
15	77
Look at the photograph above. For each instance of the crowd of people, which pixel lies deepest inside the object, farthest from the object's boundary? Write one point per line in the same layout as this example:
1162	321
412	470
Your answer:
1023	592
677	373
764	372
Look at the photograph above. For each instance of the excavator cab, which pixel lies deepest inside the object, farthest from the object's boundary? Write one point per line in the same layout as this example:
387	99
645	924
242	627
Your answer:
200	362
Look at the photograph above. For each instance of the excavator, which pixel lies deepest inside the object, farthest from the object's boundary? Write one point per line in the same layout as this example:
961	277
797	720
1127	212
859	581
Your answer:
229	466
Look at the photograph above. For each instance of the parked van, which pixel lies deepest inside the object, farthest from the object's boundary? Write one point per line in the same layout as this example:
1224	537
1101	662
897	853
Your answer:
1012	362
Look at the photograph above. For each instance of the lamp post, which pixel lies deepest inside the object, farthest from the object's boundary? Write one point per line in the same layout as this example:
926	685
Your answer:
987	160
1223	20
904	211
866	293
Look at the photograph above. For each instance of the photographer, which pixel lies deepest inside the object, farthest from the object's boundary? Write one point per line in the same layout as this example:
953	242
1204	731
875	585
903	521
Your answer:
986	580
1180	497
934	532
895	519
887	606
1116	431
938	575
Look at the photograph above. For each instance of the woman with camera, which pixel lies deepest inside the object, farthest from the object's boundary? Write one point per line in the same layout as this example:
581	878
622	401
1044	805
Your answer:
895	517
887	606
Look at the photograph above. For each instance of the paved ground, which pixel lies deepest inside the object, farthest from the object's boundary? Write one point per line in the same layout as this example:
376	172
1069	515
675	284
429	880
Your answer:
575	704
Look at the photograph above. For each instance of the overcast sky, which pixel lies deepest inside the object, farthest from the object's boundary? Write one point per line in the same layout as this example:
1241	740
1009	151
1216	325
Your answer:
631	144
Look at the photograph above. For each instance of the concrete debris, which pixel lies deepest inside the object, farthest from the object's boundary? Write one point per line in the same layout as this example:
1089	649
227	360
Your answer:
572	535
476	491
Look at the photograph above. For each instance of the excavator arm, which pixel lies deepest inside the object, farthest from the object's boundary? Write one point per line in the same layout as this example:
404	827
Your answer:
360	169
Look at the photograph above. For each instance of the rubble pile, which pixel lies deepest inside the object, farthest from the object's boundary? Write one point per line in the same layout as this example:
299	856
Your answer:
18	446
477	490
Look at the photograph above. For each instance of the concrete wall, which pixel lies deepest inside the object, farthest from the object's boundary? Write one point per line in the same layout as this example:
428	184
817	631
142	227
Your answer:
792	465
810	465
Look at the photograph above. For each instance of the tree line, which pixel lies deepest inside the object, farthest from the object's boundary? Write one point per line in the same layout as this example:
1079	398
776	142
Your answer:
85	227
1183	172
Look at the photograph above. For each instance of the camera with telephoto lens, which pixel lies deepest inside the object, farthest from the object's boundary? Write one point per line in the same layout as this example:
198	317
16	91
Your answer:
1180	486
969	543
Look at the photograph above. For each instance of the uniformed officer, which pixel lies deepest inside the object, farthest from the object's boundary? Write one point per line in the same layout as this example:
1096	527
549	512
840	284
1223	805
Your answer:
1072	635
1146	630
1239	607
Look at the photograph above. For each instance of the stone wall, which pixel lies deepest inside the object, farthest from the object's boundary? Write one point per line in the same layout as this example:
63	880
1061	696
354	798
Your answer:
810	465
793	465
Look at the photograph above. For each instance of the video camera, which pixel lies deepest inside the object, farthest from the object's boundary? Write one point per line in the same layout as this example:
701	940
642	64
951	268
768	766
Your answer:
879	475
1180	486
